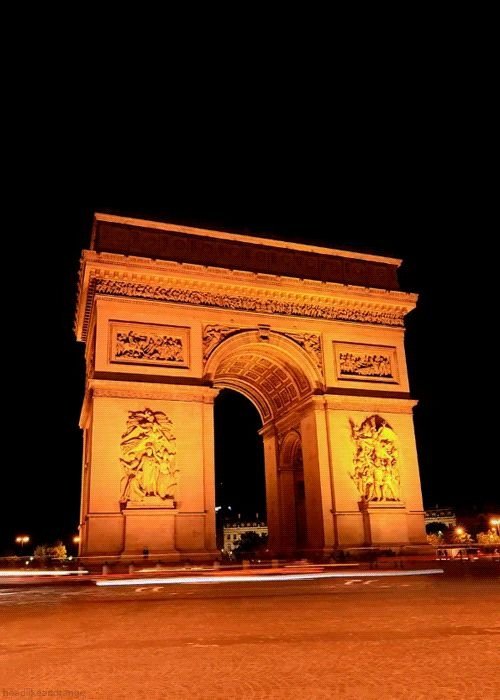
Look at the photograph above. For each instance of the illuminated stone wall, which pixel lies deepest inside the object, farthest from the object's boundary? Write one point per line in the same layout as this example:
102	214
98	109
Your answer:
323	362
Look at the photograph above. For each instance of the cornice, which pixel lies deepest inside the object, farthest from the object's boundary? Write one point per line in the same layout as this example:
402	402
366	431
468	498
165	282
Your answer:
138	278
144	390
366	404
114	262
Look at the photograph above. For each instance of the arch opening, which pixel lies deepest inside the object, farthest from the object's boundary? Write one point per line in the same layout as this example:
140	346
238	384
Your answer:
292	492
240	493
277	377
274	373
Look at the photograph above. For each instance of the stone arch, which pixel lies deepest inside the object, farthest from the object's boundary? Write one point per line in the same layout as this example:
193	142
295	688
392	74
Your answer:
290	449
209	300
274	372
278	376
291	488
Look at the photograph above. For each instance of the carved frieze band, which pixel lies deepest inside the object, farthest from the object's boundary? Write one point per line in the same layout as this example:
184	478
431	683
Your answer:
277	305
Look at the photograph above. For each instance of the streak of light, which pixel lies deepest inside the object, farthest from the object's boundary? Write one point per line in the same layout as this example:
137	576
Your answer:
263	579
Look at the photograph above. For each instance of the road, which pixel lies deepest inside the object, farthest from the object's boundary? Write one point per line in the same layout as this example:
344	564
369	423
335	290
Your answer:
406	637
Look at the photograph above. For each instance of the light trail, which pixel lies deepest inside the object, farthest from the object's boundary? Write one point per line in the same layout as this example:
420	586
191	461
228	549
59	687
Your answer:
23	572
257	578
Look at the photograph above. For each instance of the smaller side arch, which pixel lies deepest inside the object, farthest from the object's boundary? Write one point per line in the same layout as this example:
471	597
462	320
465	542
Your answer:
292	499
289	450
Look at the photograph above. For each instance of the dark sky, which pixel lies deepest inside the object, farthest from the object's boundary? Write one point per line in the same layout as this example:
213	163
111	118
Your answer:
392	204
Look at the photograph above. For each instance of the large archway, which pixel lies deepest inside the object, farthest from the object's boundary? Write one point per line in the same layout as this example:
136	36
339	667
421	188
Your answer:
279	378
313	337
240	490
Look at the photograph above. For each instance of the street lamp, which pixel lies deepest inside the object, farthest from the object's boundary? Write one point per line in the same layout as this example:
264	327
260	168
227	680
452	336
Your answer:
76	539
22	540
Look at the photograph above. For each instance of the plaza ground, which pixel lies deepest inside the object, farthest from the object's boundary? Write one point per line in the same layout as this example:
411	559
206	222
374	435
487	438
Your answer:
383	637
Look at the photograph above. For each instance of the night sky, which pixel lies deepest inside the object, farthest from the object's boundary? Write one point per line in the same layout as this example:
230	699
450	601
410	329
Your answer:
395	213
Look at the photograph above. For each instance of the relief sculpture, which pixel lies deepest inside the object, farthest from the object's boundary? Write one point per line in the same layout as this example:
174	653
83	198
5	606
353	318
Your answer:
149	347
365	365
148	453
376	469
311	343
213	335
241	302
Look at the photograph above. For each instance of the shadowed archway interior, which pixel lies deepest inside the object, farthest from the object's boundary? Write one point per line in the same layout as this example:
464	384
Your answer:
239	457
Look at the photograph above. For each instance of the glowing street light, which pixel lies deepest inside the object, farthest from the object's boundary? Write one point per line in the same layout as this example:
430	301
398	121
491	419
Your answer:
22	540
459	531
76	539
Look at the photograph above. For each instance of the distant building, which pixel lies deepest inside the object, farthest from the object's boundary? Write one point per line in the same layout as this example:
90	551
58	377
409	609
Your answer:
234	530
446	516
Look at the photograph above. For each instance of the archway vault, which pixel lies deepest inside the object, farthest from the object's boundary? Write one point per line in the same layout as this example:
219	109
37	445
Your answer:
271	370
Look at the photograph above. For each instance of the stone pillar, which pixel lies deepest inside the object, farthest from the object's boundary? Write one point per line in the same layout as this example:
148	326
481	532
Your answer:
272	492
374	523
317	477
288	516
179	527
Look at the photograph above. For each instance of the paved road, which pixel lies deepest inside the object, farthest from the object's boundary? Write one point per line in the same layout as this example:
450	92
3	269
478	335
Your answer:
426	637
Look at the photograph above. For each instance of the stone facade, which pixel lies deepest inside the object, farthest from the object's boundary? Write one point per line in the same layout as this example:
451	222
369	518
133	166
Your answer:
322	360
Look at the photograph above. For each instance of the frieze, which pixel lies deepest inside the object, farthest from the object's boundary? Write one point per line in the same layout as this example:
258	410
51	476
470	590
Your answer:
238	302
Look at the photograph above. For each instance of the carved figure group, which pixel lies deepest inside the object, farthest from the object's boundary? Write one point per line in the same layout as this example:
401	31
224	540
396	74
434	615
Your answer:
148	448
365	365
314	309
164	348
376	470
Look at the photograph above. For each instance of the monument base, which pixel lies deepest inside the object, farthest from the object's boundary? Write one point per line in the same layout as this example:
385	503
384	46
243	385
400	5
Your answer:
150	531
384	523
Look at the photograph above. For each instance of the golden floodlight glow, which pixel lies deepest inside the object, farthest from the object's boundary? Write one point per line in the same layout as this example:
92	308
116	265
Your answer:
22	539
313	337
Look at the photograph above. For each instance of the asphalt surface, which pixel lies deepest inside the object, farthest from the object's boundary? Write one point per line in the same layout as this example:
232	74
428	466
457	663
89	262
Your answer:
358	637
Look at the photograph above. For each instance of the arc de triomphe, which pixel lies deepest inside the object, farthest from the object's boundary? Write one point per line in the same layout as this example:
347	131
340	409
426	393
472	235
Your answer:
314	337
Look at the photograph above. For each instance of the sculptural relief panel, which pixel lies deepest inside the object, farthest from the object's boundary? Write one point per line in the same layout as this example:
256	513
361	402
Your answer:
144	344
367	363
148	459
376	460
